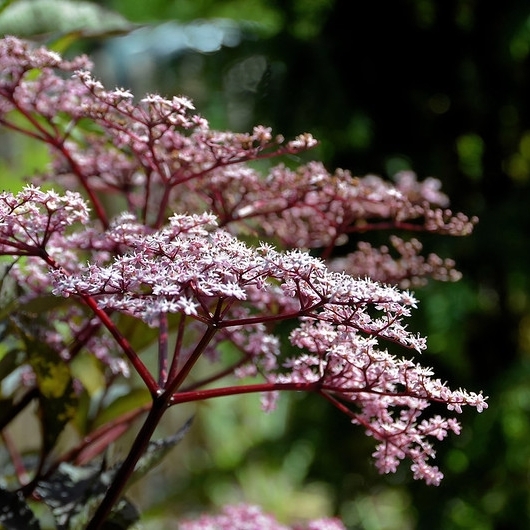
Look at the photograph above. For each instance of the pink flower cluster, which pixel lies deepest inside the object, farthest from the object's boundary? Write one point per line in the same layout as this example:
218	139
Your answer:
210	239
248	517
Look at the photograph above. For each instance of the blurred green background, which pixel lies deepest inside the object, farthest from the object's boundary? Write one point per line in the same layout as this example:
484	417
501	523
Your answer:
440	87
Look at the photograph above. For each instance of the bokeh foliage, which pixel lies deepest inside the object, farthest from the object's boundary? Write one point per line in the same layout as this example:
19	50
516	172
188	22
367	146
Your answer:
438	87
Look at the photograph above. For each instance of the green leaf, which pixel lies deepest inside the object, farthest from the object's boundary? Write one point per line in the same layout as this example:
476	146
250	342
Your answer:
73	493
157	450
122	516
140	336
7	290
10	361
15	514
89	371
134	399
4	4
29	18
12	354
57	399
44	303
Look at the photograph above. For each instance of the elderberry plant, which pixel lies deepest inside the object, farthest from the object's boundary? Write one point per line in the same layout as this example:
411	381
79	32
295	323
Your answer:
145	218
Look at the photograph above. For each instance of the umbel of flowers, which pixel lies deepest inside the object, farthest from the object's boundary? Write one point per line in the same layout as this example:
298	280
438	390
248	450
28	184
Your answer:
145	213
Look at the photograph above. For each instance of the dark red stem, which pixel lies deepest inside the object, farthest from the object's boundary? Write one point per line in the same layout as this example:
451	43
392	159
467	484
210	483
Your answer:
138	448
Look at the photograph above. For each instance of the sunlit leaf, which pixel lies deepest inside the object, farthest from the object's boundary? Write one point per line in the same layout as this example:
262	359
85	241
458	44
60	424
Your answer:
89	371
4	4
29	18
136	398
57	398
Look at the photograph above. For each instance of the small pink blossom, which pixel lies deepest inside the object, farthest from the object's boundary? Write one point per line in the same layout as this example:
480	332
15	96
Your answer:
249	517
